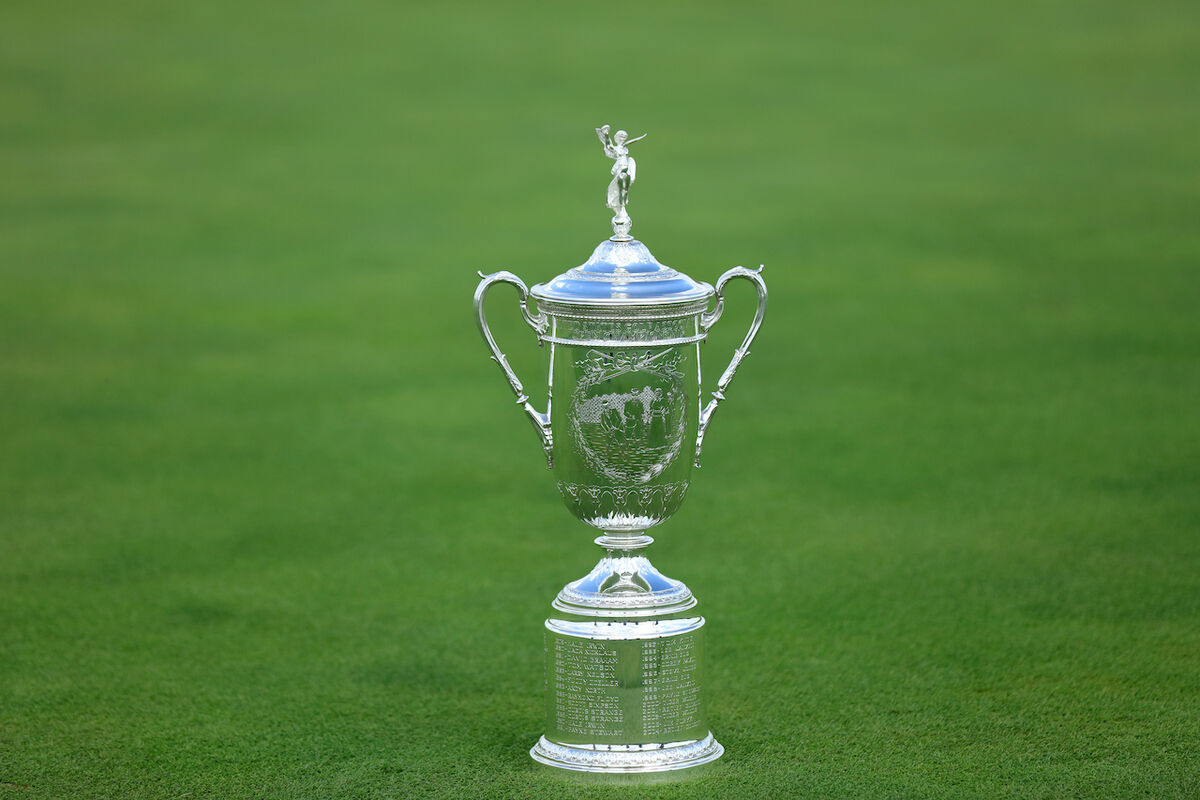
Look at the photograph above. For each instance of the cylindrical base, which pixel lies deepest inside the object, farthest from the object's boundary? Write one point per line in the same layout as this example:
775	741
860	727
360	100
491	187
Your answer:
625	696
616	758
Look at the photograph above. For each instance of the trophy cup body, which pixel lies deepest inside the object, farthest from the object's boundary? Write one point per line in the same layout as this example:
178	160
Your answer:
623	429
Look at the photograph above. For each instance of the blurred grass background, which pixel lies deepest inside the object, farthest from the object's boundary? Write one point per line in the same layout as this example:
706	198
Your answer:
270	525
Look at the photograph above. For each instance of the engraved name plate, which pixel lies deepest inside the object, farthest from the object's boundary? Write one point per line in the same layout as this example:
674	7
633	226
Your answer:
624	682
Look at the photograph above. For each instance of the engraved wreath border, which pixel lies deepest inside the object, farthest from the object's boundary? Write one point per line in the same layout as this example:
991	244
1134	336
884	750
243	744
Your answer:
598	367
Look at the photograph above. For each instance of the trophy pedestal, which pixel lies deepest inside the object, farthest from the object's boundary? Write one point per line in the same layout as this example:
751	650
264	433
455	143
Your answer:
624	673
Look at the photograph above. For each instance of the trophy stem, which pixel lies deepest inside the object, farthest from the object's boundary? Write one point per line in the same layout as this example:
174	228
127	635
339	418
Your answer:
615	543
624	584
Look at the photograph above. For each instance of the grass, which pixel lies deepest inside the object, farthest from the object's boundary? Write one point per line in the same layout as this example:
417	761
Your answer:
270	526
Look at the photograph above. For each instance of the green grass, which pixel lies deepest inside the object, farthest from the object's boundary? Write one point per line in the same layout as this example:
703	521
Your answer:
271	527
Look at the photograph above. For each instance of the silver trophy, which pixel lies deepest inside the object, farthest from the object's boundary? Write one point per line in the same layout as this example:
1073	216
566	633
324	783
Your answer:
624	648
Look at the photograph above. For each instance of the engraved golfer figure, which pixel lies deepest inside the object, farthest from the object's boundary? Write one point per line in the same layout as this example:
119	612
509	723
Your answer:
624	172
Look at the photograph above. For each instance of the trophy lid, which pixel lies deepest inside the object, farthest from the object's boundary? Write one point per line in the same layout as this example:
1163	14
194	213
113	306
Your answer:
621	271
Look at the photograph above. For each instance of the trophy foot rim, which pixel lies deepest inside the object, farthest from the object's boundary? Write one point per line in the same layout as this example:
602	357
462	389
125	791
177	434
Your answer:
632	606
627	759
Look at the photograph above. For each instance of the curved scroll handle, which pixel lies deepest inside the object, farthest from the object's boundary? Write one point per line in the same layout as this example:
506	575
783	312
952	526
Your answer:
541	422
708	319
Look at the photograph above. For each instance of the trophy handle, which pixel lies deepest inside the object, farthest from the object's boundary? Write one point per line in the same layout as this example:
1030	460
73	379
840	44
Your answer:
541	422
708	319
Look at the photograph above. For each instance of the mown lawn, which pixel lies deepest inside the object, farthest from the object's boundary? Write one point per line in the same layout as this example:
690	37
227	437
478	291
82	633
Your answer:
271	527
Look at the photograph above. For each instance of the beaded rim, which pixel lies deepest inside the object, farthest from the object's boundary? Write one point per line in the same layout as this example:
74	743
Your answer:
628	758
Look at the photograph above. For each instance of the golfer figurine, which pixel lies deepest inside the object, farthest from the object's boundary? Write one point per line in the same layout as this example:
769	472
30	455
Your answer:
624	172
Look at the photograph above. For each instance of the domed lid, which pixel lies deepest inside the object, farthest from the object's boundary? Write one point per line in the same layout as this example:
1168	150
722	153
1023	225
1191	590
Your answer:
621	271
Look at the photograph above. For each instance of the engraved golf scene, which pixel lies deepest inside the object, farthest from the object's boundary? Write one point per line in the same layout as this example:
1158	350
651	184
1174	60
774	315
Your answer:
627	427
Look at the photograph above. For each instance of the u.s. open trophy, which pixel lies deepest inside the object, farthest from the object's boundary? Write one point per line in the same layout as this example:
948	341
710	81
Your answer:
624	652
